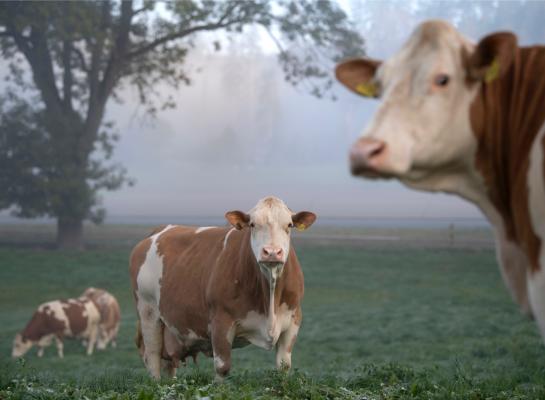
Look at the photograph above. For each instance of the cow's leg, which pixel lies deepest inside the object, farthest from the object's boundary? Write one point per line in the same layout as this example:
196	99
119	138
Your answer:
536	290
513	266
152	337
60	346
286	341
43	343
222	328
92	339
101	338
169	367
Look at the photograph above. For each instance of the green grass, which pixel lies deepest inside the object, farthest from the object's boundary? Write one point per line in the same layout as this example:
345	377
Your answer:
398	323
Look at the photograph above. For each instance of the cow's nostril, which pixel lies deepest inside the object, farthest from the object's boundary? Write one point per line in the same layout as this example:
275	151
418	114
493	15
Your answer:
377	150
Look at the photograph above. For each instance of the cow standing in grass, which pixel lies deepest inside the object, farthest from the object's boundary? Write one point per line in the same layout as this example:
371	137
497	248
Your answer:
56	320
212	289
110	316
467	119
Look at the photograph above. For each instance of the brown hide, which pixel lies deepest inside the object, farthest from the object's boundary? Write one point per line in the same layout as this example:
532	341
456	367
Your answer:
41	324
201	278
506	116
76	314
44	323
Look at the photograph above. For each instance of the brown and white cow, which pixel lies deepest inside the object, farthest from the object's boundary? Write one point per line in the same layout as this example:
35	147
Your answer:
465	118
56	320
110	315
212	289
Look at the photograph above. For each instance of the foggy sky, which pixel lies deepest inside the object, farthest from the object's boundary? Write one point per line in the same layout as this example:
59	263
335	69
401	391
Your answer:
240	132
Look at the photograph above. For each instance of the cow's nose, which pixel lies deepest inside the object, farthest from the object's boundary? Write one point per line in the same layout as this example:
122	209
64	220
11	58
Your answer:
363	154
272	254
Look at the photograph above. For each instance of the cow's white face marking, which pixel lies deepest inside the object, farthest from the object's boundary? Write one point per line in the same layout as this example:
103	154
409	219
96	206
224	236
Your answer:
20	346
151	272
204	228
270	224
424	126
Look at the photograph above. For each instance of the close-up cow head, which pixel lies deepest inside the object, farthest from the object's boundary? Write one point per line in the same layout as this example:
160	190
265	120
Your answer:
20	346
424	122
270	223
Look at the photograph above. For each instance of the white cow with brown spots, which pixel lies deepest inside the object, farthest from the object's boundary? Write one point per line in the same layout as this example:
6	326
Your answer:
212	289
465	118
56	320
110	315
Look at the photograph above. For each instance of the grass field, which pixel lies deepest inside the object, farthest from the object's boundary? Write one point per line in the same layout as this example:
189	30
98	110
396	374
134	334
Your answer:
384	322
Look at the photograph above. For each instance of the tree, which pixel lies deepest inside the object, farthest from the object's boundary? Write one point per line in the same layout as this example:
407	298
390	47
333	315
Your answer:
55	148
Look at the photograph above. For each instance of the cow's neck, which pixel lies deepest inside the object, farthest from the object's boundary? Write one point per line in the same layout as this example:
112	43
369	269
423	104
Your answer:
34	330
506	116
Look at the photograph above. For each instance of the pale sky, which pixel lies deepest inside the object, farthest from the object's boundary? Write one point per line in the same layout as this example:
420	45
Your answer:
240	132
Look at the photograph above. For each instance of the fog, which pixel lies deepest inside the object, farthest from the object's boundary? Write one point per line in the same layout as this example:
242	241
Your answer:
239	132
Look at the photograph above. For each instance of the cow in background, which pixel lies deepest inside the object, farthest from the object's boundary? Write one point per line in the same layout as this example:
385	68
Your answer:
110	315
56	320
465	118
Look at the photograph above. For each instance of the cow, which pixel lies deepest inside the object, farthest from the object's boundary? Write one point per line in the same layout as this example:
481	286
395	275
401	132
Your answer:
55	320
110	315
211	289
469	119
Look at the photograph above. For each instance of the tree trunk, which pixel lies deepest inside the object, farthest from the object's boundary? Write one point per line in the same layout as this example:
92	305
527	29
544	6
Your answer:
69	233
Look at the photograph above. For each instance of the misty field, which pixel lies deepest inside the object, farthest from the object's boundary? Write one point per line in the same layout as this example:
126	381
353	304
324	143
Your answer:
380	322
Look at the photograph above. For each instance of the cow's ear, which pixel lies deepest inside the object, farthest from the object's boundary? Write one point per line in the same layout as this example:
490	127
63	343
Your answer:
492	57
357	75
303	220
238	219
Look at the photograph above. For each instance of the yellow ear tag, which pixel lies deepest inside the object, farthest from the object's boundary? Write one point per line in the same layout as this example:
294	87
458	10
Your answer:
300	227
493	71
367	89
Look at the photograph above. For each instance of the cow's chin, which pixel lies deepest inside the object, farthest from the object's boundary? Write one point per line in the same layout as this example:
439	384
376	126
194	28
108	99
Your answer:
381	167
376	172
271	270
368	173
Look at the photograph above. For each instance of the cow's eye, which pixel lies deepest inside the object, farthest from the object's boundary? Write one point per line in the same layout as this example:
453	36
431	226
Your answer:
252	225
290	225
442	80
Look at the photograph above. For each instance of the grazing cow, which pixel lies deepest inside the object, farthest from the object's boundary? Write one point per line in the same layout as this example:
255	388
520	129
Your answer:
212	289
465	118
55	320
110	315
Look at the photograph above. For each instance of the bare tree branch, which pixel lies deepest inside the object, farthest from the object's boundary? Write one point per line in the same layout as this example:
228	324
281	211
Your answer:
220	23
81	58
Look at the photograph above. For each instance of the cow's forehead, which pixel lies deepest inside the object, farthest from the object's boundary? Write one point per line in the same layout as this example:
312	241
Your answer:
270	210
434	39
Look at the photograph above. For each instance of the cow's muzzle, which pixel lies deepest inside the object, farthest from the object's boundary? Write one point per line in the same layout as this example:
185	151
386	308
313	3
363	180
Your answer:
365	155
272	255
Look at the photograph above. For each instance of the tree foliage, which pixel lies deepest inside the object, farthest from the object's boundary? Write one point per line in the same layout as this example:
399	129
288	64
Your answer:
67	59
